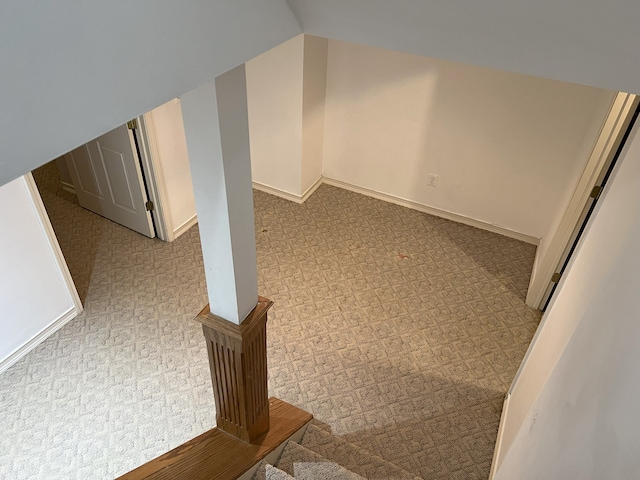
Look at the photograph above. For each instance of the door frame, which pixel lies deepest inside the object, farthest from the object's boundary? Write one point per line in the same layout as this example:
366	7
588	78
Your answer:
154	177
605	148
147	154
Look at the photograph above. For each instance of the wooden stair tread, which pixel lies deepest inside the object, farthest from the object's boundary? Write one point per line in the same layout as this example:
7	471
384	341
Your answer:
216	455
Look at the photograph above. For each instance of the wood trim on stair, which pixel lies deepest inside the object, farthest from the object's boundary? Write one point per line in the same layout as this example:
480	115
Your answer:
216	455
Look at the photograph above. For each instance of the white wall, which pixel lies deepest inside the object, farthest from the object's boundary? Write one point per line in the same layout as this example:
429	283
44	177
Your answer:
274	95
286	97
313	101
35	296
508	148
574	407
170	156
601	104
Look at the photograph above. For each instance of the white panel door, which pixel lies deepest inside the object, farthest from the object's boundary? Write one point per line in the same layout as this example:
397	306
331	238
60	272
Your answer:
108	180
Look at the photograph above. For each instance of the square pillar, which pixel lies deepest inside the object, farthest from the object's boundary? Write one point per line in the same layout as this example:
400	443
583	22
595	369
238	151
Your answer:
217	132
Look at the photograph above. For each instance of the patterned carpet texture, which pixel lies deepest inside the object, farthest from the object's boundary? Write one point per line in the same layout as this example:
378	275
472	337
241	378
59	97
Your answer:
398	330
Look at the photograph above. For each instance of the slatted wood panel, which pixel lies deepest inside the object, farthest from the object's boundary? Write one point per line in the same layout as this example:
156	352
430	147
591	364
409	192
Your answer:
238	363
255	365
216	455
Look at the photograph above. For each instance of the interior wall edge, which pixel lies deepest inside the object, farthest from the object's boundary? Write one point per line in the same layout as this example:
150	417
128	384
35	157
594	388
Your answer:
497	452
309	191
50	234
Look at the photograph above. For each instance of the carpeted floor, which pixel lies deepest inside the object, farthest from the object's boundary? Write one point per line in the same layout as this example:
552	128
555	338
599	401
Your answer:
399	330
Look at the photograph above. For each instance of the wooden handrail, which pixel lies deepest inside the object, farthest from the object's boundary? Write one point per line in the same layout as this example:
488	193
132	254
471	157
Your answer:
216	455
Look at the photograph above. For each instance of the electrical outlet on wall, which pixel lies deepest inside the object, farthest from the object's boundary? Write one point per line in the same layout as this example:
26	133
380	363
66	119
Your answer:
433	180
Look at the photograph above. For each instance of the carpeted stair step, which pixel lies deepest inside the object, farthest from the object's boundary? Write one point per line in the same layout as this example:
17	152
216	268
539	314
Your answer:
304	464
266	471
351	457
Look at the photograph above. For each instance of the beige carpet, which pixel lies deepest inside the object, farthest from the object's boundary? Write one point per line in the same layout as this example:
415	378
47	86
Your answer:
399	330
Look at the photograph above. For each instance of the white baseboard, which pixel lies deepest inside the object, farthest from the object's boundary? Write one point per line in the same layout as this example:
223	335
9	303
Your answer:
279	193
497	451
39	338
286	195
434	211
68	187
398	201
185	226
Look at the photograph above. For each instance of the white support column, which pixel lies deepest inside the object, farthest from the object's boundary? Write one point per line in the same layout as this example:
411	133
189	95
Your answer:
217	132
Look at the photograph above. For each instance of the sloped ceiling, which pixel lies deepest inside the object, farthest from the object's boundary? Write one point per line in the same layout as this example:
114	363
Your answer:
72	70
580	41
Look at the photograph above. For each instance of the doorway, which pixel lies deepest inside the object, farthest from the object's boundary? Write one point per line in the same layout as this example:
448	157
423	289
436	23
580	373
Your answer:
109	179
78	230
589	207
550	263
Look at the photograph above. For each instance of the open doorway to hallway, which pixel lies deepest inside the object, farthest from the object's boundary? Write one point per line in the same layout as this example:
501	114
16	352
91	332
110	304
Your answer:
86	238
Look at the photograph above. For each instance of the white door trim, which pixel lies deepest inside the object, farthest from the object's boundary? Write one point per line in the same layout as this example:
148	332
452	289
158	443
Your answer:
154	176
108	175
605	147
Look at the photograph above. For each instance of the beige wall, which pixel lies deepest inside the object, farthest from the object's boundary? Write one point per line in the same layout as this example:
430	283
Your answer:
286	97
274	95
508	148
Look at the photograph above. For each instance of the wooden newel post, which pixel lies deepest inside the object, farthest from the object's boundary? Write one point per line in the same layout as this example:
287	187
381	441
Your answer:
238	363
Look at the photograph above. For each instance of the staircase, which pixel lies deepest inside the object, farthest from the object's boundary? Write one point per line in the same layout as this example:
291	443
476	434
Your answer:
321	455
